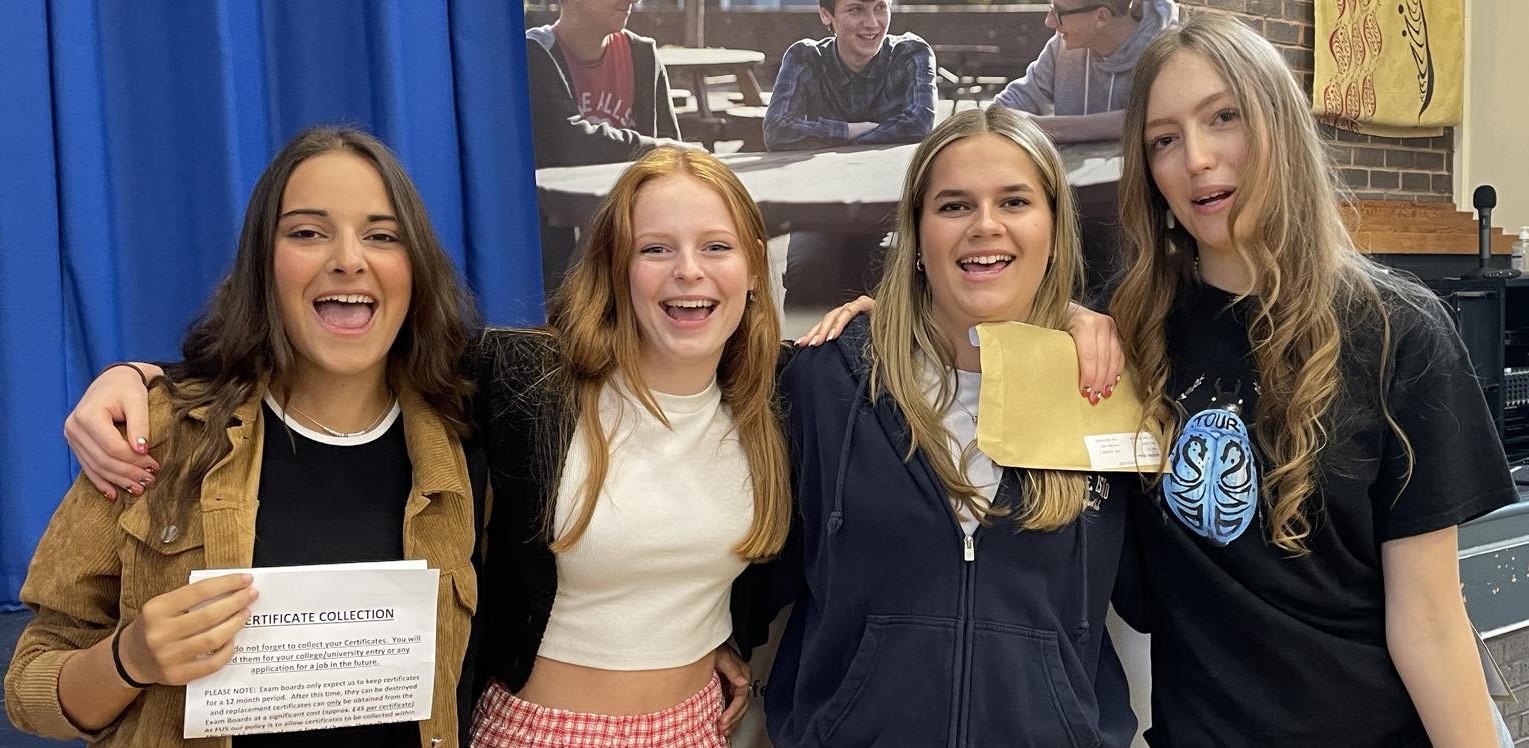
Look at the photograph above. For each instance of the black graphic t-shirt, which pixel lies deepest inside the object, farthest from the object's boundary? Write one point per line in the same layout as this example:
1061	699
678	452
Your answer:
1252	646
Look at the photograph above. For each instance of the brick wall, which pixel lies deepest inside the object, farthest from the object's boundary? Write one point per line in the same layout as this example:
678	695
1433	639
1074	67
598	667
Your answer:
1416	169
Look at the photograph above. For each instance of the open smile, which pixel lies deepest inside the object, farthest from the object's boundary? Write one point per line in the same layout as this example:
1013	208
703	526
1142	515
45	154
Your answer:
689	311
346	313
985	265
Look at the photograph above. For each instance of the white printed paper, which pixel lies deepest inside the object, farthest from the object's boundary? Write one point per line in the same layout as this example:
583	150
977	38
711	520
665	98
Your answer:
1127	451
325	646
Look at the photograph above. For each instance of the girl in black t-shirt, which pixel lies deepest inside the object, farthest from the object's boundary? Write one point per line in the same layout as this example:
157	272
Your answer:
1324	436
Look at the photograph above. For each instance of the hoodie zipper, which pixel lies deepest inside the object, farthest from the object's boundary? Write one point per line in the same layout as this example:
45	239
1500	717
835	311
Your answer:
966	646
959	733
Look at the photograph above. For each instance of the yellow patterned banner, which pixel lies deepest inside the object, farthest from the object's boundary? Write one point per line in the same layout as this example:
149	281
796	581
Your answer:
1389	67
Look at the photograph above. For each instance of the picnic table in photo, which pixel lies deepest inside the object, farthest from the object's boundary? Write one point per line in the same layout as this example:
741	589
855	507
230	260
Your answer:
840	189
689	67
959	70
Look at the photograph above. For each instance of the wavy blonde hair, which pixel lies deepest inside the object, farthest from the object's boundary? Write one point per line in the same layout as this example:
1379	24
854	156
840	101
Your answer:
903	329
592	316
1311	282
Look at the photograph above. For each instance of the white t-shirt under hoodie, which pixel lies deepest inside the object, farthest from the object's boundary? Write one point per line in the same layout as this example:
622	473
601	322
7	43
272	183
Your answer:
960	419
649	583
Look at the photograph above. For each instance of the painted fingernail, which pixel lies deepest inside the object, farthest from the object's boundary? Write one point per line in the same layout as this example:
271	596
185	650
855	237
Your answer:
150	469
1093	399
135	490
1109	389
111	496
141	445
146	482
1087	391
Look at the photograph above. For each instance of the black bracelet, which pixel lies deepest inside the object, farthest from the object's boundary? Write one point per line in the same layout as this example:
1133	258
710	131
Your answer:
116	658
135	367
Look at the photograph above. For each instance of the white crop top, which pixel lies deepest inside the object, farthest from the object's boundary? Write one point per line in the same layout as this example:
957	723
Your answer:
648	585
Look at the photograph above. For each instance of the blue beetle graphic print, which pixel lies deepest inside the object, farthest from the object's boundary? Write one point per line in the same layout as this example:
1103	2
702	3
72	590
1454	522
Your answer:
1212	479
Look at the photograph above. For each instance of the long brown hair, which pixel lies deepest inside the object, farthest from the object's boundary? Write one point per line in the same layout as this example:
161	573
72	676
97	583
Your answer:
904	328
1311	283
592	316
239	342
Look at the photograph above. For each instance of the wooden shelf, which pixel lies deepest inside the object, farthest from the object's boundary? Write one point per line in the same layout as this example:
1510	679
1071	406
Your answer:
1399	227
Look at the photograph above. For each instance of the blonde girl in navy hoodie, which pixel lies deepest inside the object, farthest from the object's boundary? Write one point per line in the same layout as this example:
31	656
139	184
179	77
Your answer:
942	600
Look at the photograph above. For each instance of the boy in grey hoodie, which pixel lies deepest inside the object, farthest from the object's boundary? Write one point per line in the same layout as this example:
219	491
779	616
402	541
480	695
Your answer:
1078	86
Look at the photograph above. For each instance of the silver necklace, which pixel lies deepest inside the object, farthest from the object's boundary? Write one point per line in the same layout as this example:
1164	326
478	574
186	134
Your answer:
345	434
967	411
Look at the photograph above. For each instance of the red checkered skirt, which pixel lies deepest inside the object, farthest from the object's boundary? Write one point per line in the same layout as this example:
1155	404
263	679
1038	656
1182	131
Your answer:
503	721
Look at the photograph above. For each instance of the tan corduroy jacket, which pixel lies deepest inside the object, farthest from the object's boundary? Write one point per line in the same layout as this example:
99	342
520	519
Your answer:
98	562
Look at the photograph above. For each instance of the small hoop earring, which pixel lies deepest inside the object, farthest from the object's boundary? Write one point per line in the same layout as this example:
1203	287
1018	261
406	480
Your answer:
918	262
1173	222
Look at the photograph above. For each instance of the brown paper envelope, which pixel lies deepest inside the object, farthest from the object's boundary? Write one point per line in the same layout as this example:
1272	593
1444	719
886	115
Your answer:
1030	414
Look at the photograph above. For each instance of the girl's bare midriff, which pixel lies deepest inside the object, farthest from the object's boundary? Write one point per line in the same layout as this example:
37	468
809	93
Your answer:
576	688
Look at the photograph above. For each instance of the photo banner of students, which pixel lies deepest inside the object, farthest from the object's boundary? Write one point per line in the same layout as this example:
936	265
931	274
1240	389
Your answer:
818	107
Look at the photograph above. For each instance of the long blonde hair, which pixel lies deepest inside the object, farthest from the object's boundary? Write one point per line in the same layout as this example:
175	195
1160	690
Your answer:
904	329
592	316
1310	280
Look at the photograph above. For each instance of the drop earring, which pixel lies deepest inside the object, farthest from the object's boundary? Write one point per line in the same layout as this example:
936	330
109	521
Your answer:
918	262
1173	222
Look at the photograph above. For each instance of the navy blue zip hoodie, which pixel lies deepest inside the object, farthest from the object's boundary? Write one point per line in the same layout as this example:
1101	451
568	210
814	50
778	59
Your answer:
905	631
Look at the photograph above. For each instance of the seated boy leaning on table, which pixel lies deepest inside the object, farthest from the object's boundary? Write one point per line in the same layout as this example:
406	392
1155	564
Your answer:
599	93
858	86
1078	86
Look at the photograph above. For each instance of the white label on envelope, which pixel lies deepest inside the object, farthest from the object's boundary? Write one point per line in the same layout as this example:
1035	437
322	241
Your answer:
1124	451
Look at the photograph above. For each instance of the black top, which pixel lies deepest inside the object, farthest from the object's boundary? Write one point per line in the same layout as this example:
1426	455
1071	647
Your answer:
1253	646
328	503
325	504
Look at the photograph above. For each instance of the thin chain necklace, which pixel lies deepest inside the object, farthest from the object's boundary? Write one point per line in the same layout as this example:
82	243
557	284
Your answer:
957	401
345	434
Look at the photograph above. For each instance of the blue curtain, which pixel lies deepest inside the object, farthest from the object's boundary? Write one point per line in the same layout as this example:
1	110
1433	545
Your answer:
131	134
